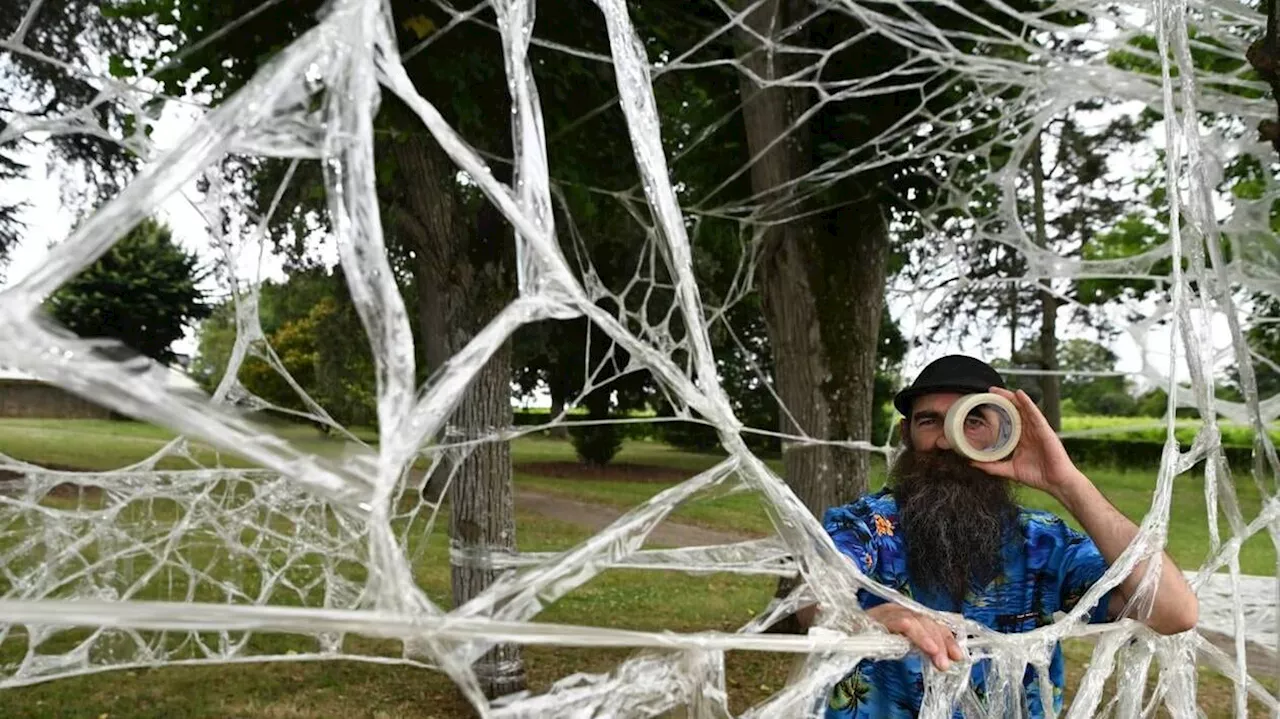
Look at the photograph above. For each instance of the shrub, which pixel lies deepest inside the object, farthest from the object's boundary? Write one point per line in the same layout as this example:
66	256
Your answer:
1113	404
1155	402
702	438
597	444
690	436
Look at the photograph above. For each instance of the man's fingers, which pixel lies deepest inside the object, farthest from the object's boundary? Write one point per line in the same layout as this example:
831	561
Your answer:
953	648
1004	393
1031	414
942	658
948	648
933	639
929	636
914	630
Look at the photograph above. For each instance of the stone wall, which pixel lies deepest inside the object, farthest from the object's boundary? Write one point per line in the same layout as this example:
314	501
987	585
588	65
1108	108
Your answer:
27	398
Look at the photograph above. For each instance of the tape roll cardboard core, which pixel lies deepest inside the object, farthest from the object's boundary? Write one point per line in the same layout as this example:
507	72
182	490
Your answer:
983	427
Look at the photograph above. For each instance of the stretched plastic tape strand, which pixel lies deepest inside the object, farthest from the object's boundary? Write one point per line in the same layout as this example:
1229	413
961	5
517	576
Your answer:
983	427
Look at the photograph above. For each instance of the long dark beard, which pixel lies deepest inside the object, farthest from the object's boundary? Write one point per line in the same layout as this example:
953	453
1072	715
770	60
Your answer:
954	517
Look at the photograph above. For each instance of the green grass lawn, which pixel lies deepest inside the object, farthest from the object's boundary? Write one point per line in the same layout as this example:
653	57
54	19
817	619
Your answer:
1130	491
625	599
107	444
93	444
620	599
319	690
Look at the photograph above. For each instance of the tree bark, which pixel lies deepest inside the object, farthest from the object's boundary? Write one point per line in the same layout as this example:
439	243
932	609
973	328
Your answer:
558	395
1050	384
822	293
482	509
1013	315
1264	56
465	276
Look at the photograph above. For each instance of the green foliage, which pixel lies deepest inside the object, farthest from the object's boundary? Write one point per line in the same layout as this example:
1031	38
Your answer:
1115	403
1152	403
1133	235
1088	394
313	327
10	226
1082	394
597	444
1264	340
1081	355
143	291
215	339
1136	454
892	351
1154	429
1141	54
1022	359
295	345
76	34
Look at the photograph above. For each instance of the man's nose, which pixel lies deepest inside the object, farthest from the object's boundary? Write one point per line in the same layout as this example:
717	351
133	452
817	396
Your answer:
942	442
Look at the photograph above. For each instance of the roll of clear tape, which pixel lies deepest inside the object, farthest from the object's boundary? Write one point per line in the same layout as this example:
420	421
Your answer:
983	427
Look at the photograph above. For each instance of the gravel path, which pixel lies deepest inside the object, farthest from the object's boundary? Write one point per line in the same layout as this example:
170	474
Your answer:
596	517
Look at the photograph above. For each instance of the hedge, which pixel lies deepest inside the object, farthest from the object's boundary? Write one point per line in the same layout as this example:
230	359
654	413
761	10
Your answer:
1099	452
631	430
1139	454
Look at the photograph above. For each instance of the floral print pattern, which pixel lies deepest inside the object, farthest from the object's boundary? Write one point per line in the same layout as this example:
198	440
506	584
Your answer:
1048	567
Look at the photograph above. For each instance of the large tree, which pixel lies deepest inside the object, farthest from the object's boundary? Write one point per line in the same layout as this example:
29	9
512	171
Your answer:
822	331
144	292
460	267
51	78
11	226
832	166
455	252
1066	195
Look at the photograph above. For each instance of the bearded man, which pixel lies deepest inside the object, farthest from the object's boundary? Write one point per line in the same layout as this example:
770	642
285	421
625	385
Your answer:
948	533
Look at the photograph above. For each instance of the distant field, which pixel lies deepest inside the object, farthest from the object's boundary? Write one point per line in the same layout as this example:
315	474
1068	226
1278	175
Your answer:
1148	428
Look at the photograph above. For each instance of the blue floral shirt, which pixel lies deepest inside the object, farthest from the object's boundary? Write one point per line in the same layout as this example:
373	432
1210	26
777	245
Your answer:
1047	571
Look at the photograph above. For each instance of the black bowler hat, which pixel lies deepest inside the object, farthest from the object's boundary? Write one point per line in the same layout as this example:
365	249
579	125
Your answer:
953	373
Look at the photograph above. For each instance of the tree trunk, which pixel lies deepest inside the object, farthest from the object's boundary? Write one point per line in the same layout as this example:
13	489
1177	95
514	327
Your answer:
1050	384
557	406
465	277
1013	314
822	295
482	509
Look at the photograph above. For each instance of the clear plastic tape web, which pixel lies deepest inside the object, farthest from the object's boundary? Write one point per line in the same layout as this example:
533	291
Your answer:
327	546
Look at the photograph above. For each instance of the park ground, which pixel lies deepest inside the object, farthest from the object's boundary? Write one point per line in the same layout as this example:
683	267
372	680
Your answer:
559	503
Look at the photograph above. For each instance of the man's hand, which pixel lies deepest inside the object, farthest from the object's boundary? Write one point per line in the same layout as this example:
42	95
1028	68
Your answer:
933	639
1040	461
